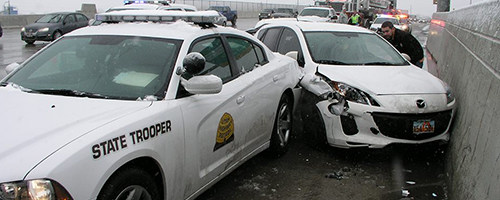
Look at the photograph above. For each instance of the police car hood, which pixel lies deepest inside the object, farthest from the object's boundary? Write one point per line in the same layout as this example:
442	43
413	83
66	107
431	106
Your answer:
34	125
385	80
377	26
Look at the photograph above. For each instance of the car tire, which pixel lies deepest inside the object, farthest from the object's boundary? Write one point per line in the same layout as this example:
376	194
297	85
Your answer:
131	181
282	128
56	35
233	21
29	41
224	24
314	128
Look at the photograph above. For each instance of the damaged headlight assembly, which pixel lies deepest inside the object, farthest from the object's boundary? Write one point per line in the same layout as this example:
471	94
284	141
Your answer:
352	94
318	85
40	189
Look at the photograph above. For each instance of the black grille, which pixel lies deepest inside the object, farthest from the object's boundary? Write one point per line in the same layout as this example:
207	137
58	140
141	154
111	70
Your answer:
401	125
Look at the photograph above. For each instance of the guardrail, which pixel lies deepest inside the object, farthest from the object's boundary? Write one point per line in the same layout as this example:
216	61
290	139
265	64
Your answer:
245	10
465	44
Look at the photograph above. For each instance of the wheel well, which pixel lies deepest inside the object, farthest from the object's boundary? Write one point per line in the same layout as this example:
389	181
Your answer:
290	95
150	166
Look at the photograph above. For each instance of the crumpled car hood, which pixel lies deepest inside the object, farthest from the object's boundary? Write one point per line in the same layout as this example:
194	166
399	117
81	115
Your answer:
34	125
385	80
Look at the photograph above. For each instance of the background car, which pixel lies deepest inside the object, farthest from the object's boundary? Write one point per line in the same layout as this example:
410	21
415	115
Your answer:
52	26
179	7
377	23
1	30
284	13
359	91
135	109
318	14
266	13
136	6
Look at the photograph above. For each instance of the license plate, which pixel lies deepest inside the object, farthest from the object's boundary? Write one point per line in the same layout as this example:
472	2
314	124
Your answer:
423	126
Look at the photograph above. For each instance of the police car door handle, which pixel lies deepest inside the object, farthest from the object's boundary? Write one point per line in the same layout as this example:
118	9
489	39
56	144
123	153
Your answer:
276	78
240	99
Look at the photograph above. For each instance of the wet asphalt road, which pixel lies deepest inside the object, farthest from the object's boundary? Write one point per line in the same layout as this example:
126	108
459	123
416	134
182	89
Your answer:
307	172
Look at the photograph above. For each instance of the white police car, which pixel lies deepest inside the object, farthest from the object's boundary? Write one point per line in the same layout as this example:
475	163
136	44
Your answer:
360	91
141	110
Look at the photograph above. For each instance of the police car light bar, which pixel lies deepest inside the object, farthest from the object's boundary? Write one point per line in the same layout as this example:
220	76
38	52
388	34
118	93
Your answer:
199	17
142	2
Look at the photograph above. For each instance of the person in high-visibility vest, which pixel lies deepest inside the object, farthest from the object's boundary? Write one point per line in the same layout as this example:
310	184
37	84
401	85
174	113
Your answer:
354	20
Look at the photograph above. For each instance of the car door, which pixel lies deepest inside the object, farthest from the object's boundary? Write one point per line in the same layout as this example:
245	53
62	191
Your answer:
215	124
81	20
267	84
69	23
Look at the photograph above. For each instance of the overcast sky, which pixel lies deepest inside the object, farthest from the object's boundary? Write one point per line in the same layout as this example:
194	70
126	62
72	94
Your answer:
420	7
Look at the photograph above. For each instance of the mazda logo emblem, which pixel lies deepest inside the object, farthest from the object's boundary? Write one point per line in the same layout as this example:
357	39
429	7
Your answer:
420	103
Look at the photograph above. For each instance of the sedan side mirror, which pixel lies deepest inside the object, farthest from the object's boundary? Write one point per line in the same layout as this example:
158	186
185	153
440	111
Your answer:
11	67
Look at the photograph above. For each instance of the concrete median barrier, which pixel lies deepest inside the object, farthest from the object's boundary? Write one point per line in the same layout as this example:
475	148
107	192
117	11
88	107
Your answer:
465	45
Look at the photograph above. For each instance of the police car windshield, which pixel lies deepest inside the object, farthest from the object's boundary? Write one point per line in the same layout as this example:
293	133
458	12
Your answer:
119	67
348	48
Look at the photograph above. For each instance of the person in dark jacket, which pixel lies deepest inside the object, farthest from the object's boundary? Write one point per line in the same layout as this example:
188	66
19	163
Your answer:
404	42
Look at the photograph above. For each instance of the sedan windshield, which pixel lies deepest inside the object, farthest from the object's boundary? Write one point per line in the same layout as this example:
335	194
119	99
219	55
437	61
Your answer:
114	67
315	12
50	18
348	48
284	10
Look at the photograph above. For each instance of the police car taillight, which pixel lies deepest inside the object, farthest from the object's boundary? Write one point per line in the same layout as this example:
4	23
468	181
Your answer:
201	17
142	2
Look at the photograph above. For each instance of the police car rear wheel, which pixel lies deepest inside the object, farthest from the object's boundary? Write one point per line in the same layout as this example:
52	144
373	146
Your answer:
131	183
282	127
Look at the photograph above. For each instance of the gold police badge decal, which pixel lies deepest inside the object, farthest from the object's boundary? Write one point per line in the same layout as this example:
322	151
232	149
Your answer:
225	131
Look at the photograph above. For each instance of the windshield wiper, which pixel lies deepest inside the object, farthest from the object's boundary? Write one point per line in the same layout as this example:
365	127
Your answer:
379	63
332	62
66	92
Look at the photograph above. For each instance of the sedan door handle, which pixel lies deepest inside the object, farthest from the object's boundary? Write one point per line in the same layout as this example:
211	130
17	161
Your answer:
240	99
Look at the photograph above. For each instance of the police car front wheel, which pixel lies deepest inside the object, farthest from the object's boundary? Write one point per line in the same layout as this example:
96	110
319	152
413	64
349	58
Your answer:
282	127
131	183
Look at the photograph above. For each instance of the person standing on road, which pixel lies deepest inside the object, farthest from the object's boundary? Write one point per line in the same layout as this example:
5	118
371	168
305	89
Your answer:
343	19
404	42
354	20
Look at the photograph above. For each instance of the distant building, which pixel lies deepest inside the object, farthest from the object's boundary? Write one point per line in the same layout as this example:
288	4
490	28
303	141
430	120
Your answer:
9	10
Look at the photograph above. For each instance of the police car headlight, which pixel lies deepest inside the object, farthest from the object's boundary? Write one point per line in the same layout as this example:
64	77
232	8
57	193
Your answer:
405	27
43	30
33	189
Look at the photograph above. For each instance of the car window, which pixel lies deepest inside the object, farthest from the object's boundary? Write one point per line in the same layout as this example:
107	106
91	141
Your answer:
270	38
288	42
351	49
121	67
245	53
217	62
70	19
81	18
50	18
315	12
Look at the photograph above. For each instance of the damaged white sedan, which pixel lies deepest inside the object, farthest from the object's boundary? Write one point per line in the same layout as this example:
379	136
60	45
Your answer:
359	90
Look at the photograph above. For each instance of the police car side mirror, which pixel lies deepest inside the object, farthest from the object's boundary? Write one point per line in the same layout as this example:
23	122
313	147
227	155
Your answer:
204	84
11	67
194	63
